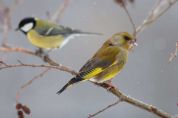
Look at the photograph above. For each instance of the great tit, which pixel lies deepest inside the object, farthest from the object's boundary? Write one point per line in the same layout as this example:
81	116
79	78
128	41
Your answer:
48	35
107	62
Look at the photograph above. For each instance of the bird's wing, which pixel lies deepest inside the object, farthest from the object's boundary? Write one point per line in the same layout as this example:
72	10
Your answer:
47	28
102	60
50	29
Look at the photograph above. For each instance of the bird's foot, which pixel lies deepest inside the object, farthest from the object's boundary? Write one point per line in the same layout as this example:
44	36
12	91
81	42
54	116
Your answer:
39	52
110	86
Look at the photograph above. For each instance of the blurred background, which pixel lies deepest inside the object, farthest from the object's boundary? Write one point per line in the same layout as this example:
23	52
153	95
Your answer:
148	76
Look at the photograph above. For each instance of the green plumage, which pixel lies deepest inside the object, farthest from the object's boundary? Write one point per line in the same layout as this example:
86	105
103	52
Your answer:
106	63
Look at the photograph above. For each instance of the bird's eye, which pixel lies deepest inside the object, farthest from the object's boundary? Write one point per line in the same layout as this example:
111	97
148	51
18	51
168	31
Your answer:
126	38
110	44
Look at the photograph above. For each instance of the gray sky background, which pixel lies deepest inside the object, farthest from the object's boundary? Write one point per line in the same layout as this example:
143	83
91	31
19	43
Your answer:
147	76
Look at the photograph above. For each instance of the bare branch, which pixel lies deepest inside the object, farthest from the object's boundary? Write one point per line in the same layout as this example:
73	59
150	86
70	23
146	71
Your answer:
16	49
137	103
26	51
58	13
114	91
123	4
102	110
131	20
24	86
60	67
160	8
6	19
35	78
173	55
6	24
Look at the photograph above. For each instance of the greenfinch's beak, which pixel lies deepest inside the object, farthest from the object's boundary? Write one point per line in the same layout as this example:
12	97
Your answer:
132	44
135	43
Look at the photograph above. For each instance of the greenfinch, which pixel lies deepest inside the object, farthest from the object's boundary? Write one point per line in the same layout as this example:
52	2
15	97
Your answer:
107	62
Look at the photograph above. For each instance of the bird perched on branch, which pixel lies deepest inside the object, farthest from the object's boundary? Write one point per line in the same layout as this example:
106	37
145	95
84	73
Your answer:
107	62
47	35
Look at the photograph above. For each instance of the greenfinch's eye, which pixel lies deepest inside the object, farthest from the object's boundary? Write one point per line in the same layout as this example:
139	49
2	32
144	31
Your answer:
111	44
126	38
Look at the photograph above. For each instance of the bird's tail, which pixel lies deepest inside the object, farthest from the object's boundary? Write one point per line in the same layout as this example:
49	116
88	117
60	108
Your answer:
72	81
86	33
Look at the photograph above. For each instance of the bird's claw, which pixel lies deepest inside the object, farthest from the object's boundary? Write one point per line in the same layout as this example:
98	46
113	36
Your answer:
39	51
110	86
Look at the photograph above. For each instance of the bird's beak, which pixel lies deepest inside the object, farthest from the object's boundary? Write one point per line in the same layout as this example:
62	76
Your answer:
135	42
132	44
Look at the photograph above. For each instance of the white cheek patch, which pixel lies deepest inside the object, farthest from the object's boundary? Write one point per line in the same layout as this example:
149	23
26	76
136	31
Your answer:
27	27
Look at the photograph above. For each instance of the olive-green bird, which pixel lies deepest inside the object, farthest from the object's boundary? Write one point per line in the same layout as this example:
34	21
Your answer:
47	35
107	62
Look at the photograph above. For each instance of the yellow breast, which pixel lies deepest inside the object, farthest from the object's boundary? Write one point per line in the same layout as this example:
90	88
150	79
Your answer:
114	69
46	42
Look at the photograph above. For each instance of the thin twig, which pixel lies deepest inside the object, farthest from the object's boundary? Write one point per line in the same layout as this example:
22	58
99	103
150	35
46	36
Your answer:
114	91
10	49
58	13
137	103
131	20
6	25
160	8
122	3
7	11
36	77
173	55
60	67
102	110
24	86
26	51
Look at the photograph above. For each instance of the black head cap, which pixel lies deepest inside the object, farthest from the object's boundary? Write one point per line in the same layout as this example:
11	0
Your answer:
26	24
